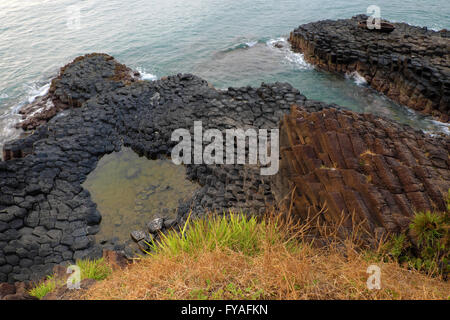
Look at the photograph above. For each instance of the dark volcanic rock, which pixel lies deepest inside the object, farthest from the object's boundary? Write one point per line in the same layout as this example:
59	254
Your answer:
80	80
411	65
156	225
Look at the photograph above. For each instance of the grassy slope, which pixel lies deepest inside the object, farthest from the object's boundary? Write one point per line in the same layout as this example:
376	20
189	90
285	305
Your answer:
245	259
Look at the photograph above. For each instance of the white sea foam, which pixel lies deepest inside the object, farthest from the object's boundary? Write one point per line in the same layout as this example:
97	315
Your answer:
445	127
38	92
10	118
4	96
251	43
34	91
8	130
296	59
357	78
145	75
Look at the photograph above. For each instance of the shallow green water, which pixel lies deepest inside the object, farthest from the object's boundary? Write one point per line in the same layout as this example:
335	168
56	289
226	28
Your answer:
130	191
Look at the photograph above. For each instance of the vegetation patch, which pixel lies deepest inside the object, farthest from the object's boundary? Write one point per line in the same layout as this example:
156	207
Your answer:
45	287
240	257
426	247
89	269
235	232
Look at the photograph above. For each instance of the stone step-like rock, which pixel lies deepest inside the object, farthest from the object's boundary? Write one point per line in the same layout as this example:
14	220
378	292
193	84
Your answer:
373	170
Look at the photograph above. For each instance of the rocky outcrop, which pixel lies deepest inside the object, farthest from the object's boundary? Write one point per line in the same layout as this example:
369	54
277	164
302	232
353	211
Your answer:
77	82
411	65
155	228
47	218
376	172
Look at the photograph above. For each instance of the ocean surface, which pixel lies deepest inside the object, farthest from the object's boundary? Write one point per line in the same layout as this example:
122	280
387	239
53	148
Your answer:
227	42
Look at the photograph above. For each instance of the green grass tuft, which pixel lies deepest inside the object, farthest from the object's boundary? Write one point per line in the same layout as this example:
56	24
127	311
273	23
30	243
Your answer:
89	269
43	288
94	269
430	250
233	231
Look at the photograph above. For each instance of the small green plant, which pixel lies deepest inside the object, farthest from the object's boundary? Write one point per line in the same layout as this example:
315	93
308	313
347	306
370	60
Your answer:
236	232
430	228
89	269
398	245
198	294
94	269
430	250
43	288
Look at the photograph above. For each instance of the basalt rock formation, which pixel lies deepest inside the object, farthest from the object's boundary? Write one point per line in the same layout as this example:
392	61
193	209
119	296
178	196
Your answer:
47	218
75	84
411	65
375	171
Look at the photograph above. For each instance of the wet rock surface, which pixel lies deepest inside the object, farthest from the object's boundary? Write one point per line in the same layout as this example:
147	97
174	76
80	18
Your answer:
411	65
76	83
48	219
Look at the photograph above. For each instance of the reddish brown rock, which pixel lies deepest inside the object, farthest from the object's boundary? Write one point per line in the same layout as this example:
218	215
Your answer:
115	259
376	170
6	289
16	291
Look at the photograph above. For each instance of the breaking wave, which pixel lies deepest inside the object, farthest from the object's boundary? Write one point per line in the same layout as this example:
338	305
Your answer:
357	78
295	58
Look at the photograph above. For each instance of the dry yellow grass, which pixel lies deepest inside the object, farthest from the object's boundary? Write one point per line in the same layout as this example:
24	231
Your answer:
277	274
337	271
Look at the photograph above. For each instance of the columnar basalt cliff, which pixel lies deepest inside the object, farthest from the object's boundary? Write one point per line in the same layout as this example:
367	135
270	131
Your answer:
47	218
411	65
100	73
373	170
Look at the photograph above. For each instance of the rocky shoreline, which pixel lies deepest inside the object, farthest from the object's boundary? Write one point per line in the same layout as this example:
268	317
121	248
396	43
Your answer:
48	219
410	65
